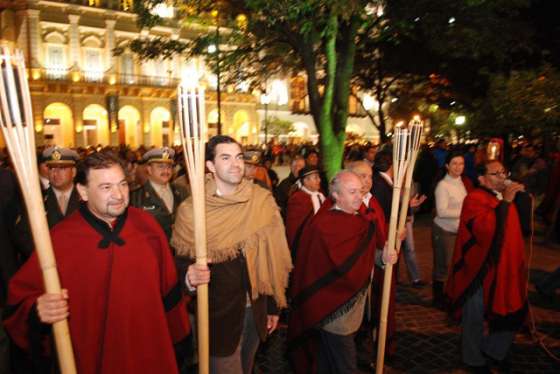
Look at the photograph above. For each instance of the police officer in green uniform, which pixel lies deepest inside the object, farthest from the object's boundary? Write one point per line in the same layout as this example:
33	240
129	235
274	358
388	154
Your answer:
61	198
158	196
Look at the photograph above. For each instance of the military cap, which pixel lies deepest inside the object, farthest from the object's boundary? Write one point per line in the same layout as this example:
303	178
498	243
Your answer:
60	156
307	170
252	157
163	154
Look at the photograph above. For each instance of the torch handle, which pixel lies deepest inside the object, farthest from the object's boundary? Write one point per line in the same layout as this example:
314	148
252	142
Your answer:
405	200
45	254
382	333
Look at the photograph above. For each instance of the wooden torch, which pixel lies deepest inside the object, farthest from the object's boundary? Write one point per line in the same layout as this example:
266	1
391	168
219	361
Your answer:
401	151
415	129
192	122
16	121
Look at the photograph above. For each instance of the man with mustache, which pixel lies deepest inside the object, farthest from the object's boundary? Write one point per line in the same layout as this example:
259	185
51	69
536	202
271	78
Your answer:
157	196
249	255
61	198
121	295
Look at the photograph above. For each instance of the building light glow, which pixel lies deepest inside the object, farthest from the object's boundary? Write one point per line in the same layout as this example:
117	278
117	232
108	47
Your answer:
164	11
279	92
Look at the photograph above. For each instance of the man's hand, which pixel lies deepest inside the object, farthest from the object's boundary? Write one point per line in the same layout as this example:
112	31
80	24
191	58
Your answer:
271	323
198	274
389	256
416	201
511	190
53	307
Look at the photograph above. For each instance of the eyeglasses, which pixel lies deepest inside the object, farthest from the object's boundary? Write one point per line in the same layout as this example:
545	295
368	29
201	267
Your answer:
501	173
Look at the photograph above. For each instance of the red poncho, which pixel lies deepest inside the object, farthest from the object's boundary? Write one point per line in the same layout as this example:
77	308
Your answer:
489	252
298	213
126	306
334	263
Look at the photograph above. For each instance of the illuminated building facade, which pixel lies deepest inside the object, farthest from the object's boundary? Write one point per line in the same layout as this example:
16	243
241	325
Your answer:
85	95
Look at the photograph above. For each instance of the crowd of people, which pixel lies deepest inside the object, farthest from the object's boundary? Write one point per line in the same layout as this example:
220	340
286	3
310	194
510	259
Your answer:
303	251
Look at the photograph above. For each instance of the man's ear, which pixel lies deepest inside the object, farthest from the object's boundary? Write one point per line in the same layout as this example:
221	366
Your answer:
482	180
335	196
82	190
210	166
74	171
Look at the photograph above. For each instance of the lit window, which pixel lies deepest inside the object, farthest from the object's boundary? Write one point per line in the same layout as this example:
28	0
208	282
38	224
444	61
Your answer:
126	5
279	92
93	2
56	62
164	10
93	68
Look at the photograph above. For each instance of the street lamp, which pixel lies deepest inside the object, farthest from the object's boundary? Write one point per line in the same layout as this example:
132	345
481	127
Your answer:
460	120
265	100
216	50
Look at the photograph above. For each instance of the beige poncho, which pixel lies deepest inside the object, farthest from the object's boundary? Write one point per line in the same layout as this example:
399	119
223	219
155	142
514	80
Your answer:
248	221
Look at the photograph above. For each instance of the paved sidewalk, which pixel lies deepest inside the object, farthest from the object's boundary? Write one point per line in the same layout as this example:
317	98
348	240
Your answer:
427	342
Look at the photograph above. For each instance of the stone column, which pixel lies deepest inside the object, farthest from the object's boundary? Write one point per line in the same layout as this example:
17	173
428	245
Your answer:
74	41
34	38
110	60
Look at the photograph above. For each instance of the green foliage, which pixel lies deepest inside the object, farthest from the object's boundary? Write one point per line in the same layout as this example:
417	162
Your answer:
275	126
522	102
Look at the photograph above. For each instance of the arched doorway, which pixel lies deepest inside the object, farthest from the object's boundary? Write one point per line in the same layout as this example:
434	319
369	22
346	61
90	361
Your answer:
129	119
162	133
95	125
241	128
58	125
300	132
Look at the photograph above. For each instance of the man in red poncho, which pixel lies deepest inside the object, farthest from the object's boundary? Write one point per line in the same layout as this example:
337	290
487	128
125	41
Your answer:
331	278
488	275
303	204
122	299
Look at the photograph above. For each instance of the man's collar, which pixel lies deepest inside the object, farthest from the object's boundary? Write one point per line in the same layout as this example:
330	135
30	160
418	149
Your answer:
109	233
387	177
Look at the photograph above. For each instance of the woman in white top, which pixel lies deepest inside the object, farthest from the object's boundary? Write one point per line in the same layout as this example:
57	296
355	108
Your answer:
449	195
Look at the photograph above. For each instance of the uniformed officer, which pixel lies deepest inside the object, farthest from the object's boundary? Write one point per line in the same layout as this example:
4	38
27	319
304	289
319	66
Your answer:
61	198
158	196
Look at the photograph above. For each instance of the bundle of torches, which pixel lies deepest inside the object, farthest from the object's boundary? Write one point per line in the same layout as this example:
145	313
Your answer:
16	122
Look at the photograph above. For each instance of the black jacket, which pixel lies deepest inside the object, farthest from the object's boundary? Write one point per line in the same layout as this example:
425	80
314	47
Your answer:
54	215
147	198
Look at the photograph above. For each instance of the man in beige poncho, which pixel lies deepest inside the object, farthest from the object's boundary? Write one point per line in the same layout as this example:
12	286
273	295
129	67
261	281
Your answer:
249	255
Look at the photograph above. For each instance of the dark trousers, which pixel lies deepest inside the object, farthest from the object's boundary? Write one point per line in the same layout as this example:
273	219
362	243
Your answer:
476	345
242	360
337	354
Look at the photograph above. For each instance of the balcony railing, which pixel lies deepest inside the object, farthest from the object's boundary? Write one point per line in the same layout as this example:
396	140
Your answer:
65	74
107	4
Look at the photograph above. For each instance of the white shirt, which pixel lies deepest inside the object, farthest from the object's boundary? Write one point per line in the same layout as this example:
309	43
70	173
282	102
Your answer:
367	197
59	194
317	198
450	193
165	193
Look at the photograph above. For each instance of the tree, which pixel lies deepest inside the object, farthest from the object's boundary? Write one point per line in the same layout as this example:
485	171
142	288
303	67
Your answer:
521	103
314	36
379	46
